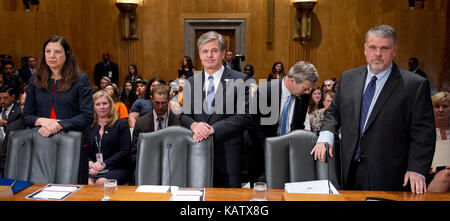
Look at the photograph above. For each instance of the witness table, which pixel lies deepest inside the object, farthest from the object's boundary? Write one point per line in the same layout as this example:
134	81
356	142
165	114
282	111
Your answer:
95	193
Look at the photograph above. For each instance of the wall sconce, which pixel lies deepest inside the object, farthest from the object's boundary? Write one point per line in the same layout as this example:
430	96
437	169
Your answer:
28	3
129	19
302	19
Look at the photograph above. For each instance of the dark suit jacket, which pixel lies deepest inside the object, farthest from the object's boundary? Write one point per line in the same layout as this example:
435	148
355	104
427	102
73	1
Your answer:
228	121
115	147
298	118
73	107
400	132
145	124
421	73
101	71
14	122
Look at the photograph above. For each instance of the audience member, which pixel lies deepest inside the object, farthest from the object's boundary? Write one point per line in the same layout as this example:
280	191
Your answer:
277	71
133	74
317	115
143	105
104	81
181	83
121	109
10	113
27	71
106	68
293	100
187	68
228	59
159	118
11	80
387	131
174	104
440	180
249	70
59	97
226	128
327	86
128	96
109	143
413	66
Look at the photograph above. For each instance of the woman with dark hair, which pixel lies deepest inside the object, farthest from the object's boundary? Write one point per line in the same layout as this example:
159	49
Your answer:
59	96
277	71
186	69
121	109
128	96
109	143
133	74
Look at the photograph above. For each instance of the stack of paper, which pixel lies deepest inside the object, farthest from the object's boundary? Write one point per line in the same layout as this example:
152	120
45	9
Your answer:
311	187
156	189
177	193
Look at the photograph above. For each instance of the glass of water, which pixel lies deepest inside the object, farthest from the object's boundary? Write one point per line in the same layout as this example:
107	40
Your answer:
259	191
110	187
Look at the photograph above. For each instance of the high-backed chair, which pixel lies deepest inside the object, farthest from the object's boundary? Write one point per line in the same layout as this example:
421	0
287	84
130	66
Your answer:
171	157
34	158
288	159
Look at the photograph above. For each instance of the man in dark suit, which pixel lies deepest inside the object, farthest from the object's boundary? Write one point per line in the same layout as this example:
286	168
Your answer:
28	71
9	115
386	120
215	104
159	118
413	66
287	102
106	68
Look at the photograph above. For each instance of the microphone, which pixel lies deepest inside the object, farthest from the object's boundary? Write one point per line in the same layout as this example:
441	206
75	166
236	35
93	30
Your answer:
169	146
327	148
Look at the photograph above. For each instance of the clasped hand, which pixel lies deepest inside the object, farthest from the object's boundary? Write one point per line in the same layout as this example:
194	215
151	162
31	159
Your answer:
48	126
94	168
201	131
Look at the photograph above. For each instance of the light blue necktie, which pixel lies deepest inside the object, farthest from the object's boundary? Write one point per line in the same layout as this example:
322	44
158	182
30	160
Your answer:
210	93
284	116
367	100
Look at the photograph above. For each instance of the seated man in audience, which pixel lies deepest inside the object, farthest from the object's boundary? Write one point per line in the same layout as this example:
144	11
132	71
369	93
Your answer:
11	80
159	118
10	120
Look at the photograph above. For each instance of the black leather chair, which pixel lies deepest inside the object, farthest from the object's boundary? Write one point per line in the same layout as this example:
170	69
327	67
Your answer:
171	157
288	159
34	158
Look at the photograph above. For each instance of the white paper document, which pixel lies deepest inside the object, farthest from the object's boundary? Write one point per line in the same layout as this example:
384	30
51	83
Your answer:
312	187
54	192
156	189
441	154
188	195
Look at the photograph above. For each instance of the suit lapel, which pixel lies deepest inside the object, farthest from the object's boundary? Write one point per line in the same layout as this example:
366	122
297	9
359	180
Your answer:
359	90
387	90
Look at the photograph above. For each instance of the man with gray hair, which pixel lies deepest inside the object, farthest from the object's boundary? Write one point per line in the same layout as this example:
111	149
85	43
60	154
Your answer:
385	117
287	102
211	103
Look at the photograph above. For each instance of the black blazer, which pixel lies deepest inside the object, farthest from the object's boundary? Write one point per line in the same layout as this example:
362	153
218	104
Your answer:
74	107
115	144
400	132
229	125
263	129
101	71
145	124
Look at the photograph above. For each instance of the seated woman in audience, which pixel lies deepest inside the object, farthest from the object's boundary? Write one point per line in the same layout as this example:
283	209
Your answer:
441	179
186	68
109	143
128	96
133	74
317	115
59	96
277	71
104	81
121	109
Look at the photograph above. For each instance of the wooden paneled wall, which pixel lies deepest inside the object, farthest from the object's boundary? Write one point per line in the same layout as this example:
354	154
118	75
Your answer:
92	27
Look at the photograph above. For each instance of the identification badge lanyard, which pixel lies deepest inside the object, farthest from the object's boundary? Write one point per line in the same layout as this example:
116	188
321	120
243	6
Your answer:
98	142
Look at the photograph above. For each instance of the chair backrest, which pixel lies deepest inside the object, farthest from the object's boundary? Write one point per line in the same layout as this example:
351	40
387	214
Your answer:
288	159
171	157
34	158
